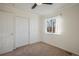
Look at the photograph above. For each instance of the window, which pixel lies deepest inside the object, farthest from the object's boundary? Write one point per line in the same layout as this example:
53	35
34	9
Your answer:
54	25
51	25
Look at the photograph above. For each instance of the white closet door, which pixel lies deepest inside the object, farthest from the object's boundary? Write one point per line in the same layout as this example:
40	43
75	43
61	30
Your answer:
34	28
6	32
21	31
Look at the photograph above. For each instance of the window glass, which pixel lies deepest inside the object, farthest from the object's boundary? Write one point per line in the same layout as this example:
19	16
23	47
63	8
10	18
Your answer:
51	25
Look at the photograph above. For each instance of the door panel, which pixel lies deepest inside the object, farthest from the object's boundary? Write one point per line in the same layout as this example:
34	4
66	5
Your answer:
6	28
21	31
34	29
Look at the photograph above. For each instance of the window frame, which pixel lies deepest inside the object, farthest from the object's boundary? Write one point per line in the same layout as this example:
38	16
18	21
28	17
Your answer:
48	19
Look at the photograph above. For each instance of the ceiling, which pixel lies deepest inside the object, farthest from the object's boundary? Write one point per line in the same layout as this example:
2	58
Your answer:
40	9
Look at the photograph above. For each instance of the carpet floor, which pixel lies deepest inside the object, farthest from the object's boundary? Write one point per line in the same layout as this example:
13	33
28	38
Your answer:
37	49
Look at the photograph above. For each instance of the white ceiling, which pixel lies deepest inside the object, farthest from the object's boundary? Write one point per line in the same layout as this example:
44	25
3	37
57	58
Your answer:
40	9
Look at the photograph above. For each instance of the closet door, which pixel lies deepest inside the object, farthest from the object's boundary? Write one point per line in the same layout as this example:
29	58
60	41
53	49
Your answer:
34	28
21	31
6	32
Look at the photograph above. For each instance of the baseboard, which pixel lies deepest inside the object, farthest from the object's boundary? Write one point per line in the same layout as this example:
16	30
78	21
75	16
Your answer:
19	47
70	53
3	52
28	44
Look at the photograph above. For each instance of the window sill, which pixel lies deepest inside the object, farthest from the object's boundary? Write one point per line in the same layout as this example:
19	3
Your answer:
50	33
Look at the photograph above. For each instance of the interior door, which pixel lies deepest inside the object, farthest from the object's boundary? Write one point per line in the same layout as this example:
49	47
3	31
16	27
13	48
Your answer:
21	31
6	32
34	28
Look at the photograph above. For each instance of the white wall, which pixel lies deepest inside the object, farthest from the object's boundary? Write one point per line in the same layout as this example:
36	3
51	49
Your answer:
69	38
34	28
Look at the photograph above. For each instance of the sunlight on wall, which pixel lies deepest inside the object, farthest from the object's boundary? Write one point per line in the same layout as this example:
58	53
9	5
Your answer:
59	24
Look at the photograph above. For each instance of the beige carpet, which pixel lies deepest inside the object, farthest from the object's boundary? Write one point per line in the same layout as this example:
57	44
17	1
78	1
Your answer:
37	49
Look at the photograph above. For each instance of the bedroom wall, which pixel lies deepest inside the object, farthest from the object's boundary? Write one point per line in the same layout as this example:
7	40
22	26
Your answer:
69	38
34	28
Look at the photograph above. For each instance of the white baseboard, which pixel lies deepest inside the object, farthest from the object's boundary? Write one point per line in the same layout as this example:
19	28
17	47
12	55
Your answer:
73	53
